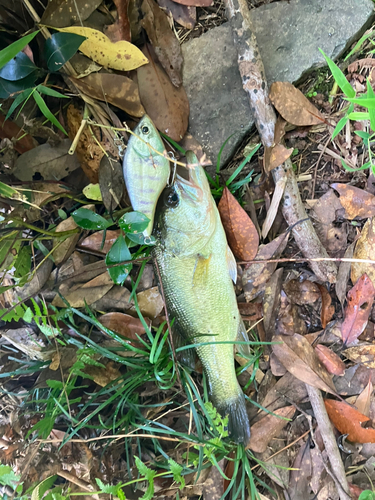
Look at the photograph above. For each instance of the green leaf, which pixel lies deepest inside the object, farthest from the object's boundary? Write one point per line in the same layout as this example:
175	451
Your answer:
133	222
60	48
149	475
62	214
176	470
339	77
28	316
359	115
357	46
106	488
46	90
87	219
174	143
8	477
118	253
46	112
12	50
141	239
364	135
8	88
371	111
42	487
18	67
219	155
23	262
341	124
350	169
367	495
242	164
7	191
17	101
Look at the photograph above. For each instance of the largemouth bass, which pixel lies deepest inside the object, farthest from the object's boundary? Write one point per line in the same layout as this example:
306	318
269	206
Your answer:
197	268
146	172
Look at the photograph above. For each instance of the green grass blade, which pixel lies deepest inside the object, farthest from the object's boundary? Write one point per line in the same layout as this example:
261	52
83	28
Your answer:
371	111
339	77
341	124
241	165
46	112
14	48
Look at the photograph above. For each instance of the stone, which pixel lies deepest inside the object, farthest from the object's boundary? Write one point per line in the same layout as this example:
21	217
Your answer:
289	35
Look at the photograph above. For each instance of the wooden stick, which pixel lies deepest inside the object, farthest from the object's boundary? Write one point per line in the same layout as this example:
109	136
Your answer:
254	83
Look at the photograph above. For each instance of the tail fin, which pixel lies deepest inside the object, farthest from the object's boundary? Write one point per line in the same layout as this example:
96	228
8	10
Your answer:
238	421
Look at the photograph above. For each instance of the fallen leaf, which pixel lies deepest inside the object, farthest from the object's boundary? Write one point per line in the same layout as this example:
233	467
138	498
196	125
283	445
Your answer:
37	282
332	362
28	342
328	310
362	354
359	303
167	106
22	141
271	303
190	143
122	55
274	207
300	476
302	292
47	162
250	311
118	90
289	319
103	375
111	181
255	276
166	45
357	202
150	302
61	13
63	250
363	401
343	274
241	233
182	14
88	293
300	359
195	3
287	386
94	241
120	30
348	420
275	156
365	249
293	106
125	325
268	427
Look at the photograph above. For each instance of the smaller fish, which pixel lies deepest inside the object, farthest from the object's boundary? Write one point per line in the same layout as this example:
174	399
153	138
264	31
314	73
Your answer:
146	172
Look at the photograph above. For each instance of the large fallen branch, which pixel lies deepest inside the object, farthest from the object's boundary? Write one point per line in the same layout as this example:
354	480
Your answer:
254	82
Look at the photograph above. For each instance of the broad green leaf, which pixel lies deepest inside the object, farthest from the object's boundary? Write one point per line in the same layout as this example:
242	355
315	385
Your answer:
339	77
133	222
366	102
367	495
7	191
12	50
357	46
92	192
118	253
87	219
364	135
17	101
46	90
23	262
8	88
46	112
42	487
341	124
28	316
60	48
350	169
7	476
176	470
359	115
18	67
141	239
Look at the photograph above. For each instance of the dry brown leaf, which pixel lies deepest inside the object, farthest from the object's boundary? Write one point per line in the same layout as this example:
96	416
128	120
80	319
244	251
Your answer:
343	274
182	14
330	360
349	421
299	487
196	3
167	106
150	302
293	106
362	354
167	47
275	156
365	249
120	29
300	359
289	320
37	282
118	90
268	427
103	376
360	300
95	240
63	250
61	13
190	143
111	182
357	202
274	207
87	293
363	401
124	324
328	310
241	233
22	142
302	292
271	303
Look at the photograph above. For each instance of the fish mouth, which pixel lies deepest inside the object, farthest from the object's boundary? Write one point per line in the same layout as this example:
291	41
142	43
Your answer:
189	189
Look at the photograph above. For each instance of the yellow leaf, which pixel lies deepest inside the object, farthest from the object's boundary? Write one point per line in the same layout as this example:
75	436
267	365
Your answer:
92	192
121	55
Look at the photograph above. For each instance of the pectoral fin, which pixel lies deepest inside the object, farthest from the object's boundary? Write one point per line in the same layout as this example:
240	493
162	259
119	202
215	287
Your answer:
243	337
232	264
201	269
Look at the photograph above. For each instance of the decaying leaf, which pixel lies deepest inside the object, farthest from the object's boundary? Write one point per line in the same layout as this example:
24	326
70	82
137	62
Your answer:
150	302
111	181
363	354
61	13
275	156
300	477
124	324
289	320
183	14
365	249
94	241
360	300
271	303
363	401
343	274
22	142
302	292
349	421
293	106
300	359
330	360
46	162
118	90
88	293
241	233
121	55
26	341
268	427
37	282
357	202
167	106
328	310
103	375
167	47
63	250
120	30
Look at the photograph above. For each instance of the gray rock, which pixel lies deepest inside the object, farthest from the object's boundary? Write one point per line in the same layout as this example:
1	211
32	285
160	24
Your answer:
289	35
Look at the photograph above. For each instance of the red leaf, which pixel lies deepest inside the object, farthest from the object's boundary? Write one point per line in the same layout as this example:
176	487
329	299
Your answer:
360	299
330	360
327	309
242	235
10	130
349	421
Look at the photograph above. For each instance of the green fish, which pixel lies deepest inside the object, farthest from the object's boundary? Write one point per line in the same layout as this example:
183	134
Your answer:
146	172
197	268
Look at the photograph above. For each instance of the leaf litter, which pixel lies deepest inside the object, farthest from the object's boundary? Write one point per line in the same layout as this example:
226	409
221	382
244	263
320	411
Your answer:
100	350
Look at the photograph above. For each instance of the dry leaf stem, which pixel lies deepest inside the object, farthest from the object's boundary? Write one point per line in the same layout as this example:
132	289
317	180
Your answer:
255	84
330	444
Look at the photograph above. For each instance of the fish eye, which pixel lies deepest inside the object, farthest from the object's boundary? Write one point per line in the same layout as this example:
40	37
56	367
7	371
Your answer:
171	199
145	130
